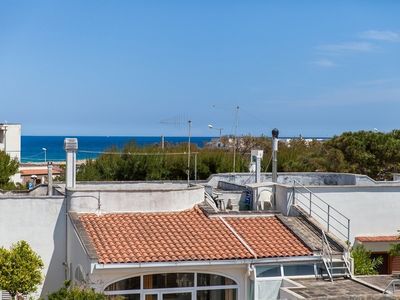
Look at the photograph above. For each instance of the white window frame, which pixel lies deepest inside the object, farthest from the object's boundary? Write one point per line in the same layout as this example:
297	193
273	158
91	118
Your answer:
283	272
193	289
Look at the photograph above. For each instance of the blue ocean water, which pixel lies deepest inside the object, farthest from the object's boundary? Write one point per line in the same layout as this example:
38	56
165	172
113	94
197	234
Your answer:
31	146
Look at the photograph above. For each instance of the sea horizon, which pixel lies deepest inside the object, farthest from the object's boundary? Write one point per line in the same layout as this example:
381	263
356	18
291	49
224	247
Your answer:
91	146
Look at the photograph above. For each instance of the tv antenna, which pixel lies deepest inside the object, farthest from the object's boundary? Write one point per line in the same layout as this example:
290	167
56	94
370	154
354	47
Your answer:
179	122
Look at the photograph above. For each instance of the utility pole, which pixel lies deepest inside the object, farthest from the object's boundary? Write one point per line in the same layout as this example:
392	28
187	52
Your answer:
235	138
195	167
162	142
188	158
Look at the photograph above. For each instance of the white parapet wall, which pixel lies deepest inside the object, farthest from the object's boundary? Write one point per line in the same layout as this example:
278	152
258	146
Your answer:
133	197
41	222
372	210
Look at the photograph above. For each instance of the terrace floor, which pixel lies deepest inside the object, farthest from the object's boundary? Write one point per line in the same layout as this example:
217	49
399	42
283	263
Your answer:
381	281
339	289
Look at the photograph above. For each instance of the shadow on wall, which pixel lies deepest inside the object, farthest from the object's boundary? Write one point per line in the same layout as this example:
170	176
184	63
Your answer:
55	276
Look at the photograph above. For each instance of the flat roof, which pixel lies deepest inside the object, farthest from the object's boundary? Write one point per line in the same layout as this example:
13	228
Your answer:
133	186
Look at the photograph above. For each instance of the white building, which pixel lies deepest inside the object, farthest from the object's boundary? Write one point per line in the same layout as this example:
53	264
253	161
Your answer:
168	241
10	139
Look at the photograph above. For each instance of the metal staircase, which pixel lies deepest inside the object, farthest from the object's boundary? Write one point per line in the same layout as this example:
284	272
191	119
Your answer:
391	287
336	265
330	222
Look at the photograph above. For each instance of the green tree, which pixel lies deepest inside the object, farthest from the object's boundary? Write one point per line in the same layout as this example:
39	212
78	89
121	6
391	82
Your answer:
20	269
363	263
71	292
8	167
371	153
394	249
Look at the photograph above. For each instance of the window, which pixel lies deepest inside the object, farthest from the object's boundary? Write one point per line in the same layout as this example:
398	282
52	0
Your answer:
158	287
132	283
126	297
268	271
298	270
168	280
212	279
177	296
217	294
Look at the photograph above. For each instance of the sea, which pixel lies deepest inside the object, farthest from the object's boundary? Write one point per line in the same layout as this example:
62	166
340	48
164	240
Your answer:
89	147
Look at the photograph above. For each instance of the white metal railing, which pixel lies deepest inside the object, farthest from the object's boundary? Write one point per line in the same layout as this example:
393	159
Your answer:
314	206
327	255
392	284
216	203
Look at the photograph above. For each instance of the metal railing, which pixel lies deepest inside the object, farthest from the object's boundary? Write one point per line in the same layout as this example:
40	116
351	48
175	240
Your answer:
314	206
218	203
327	256
392	284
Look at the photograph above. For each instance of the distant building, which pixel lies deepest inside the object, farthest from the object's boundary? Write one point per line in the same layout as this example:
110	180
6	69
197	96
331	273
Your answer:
37	173
227	238
10	142
10	139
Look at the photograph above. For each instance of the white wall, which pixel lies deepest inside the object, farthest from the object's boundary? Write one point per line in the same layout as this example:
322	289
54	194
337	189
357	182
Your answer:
77	255
134	197
372	210
41	222
12	140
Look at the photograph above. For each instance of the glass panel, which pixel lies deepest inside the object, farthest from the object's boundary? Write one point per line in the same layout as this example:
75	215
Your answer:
230	294
168	280
296	270
268	271
211	279
151	297
132	283
268	289
177	296
125	297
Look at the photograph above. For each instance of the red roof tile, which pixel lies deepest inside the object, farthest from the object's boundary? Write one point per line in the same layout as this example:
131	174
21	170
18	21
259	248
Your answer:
27	172
268	237
185	236
377	239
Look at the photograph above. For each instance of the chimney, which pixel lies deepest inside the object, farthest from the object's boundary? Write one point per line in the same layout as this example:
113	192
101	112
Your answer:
275	136
70	146
256	157
49	178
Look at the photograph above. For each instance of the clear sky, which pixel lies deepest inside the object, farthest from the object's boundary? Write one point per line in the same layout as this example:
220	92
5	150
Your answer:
315	68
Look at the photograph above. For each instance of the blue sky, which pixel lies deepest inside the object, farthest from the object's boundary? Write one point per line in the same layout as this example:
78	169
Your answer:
315	68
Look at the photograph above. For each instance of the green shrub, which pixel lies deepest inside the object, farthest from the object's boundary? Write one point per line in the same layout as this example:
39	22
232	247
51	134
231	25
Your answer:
363	263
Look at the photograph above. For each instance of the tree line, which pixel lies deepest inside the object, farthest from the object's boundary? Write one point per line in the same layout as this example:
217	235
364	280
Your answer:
375	154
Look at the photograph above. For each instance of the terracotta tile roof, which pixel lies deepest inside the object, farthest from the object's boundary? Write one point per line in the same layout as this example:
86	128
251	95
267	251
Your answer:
185	236
269	237
377	239
27	172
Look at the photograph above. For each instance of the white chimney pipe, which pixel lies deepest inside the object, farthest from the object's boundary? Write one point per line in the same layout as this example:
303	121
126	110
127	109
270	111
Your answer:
70	146
256	157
